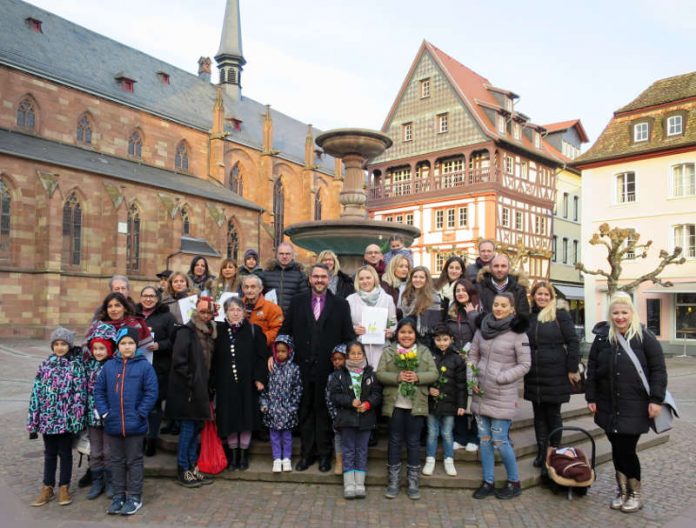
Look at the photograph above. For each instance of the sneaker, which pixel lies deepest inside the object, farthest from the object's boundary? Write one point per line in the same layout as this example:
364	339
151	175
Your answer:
449	467
509	491
486	489
277	465
471	447
429	466
116	505
286	464
132	505
457	446
200	477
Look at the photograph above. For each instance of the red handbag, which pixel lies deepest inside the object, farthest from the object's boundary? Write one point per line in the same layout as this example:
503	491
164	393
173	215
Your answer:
212	459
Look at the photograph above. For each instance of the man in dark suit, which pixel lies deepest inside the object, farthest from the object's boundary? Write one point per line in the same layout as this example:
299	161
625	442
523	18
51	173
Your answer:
317	321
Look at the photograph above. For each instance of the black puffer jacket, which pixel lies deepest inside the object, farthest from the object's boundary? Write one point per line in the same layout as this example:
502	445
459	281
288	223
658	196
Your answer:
162	324
463	327
344	285
555	353
614	385
454	392
517	285
287	282
340	390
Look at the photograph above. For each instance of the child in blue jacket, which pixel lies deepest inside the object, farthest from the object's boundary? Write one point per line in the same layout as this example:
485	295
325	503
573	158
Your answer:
125	393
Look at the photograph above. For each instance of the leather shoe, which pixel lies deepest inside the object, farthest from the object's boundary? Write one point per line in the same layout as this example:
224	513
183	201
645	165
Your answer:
325	464
304	463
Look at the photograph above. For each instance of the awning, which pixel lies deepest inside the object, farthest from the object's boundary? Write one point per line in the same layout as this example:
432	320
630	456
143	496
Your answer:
571	292
197	246
679	287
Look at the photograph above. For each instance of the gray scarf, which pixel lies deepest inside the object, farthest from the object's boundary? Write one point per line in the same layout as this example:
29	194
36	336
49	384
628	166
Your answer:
370	298
492	327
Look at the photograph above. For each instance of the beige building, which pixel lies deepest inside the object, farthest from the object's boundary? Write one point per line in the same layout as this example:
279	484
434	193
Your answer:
640	174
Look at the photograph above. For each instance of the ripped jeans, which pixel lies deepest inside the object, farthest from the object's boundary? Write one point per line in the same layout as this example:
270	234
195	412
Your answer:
494	435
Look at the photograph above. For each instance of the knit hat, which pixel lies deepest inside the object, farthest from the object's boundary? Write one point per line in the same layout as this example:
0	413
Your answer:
63	334
251	253
340	349
102	333
127	331
287	340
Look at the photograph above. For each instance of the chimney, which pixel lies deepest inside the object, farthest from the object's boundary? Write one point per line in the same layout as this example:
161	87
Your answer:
204	68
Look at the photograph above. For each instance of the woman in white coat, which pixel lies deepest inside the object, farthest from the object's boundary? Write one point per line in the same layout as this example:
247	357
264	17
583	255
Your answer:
368	293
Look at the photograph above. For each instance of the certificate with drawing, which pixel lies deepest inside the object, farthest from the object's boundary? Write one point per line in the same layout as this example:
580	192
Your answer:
187	305
375	322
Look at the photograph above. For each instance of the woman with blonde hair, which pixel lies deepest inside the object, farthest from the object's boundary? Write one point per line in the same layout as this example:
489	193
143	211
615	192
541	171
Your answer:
616	395
421	302
340	284
178	287
555	356
394	280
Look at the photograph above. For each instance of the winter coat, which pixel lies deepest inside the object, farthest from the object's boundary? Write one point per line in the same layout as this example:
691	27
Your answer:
286	281
162	322
236	398
344	285
244	271
126	391
268	316
281	397
555	352
315	340
188	380
473	269
517	285
426	320
614	385
463	327
92	370
453	393
501	361
172	303
357	305
388	376
394	252
340	388
58	398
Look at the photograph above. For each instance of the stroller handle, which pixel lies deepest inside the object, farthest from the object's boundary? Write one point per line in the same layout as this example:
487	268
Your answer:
573	428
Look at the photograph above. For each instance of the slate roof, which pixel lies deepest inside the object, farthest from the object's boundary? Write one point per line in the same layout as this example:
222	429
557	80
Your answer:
75	56
653	104
565	125
42	150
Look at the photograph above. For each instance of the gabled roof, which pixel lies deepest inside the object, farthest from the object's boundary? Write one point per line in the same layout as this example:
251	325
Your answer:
664	91
565	125
476	93
78	57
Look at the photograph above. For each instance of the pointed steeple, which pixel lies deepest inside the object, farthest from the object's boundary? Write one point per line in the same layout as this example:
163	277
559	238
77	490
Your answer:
229	58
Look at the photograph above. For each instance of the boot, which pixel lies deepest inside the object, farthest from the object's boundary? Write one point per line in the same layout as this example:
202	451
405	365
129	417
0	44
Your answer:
243	459
360	491
150	447
98	485
429	466
85	480
349	485
413	476
64	497
45	496
338	470
108	484
633	503
185	478
540	456
394	476
621	491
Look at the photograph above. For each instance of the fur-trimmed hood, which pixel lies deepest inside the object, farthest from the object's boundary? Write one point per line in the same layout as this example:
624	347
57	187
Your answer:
273	265
518	277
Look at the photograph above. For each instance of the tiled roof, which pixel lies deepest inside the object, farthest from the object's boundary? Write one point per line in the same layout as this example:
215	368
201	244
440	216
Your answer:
73	55
653	105
664	91
71	157
565	125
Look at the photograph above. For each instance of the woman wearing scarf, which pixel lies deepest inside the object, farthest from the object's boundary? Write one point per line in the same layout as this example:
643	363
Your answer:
421	302
178	287
118	312
452	271
368	293
394	280
238	374
500	355
340	284
199	274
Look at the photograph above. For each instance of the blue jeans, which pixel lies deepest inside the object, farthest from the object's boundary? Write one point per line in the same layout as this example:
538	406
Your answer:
494	435
188	444
440	425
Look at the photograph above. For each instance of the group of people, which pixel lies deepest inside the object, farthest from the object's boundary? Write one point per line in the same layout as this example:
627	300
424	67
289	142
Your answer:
455	349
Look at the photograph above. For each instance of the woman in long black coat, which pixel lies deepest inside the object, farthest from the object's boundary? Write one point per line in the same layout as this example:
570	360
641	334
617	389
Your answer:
238	375
555	356
161	323
617	397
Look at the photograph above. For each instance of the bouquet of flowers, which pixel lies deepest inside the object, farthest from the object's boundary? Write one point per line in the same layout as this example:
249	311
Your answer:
406	359
472	382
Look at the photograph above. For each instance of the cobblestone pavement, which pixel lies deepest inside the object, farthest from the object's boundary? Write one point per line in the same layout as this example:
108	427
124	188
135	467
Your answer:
668	483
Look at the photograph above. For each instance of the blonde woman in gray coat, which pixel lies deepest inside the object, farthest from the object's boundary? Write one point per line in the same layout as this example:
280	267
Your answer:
501	356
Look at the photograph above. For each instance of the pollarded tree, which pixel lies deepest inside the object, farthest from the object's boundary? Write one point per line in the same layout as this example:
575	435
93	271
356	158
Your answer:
624	244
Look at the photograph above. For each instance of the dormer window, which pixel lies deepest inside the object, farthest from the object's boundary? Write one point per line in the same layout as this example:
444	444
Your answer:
640	132
537	140
425	88
516	130
34	24
675	125
500	124
508	104
163	77
126	83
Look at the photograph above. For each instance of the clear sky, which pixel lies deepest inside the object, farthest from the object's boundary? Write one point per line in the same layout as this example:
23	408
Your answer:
339	63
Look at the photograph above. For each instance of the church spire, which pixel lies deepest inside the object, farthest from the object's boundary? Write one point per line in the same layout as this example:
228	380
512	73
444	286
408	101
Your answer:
229	58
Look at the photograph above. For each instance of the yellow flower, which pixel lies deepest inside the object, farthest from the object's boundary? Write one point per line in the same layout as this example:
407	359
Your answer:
443	369
412	355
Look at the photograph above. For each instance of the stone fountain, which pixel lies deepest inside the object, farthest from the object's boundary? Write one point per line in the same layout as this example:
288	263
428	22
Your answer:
348	235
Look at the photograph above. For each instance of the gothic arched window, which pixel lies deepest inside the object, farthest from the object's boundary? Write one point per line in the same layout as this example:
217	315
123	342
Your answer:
186	222
232	241
181	159
135	145
84	131
72	231
5	217
26	114
133	239
278	211
317	205
236	184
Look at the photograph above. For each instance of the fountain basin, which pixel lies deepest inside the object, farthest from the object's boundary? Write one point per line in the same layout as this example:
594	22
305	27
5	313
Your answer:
363	142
